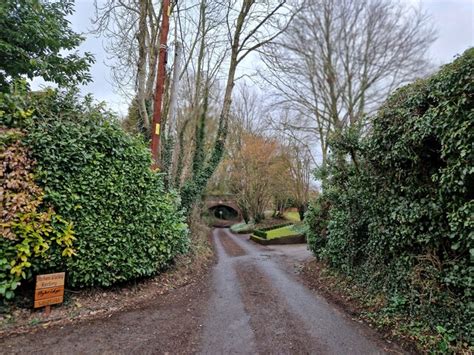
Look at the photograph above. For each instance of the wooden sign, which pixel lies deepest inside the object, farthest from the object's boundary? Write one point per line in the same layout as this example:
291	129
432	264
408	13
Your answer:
49	289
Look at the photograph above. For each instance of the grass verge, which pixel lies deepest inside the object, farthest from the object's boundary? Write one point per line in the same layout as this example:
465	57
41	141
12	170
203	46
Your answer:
281	232
292	216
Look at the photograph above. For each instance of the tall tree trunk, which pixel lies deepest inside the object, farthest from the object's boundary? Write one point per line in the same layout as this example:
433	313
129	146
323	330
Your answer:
141	71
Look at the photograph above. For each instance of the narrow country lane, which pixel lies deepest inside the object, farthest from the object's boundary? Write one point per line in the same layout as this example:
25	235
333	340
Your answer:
251	303
257	306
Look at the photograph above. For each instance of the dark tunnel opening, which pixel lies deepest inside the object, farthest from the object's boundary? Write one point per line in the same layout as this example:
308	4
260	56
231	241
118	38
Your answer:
224	212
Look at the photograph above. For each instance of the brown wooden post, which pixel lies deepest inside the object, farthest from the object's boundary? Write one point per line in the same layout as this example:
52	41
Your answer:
160	84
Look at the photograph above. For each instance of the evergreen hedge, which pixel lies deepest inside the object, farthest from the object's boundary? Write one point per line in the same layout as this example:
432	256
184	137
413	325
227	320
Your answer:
31	233
401	221
98	177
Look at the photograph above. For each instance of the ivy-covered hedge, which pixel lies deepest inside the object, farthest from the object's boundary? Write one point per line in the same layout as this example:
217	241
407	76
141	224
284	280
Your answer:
99	178
400	220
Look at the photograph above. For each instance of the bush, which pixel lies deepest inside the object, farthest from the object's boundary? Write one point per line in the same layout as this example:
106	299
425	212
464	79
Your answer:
242	228
33	236
99	177
316	219
260	234
300	228
276	226
400	222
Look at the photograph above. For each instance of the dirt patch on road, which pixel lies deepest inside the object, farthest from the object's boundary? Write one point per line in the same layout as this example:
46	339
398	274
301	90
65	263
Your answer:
231	248
274	326
168	324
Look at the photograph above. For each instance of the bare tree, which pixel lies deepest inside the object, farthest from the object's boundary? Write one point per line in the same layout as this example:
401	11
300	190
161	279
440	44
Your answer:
132	39
254	173
339	59
131	28
251	24
216	37
299	162
202	31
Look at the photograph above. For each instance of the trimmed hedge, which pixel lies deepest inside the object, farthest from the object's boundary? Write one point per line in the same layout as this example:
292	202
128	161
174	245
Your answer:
260	233
242	228
99	178
277	226
292	239
32	234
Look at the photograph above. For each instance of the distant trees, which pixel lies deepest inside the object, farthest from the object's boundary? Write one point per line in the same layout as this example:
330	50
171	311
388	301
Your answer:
213	39
254	172
132	31
300	166
339	59
249	26
33	37
265	170
265	173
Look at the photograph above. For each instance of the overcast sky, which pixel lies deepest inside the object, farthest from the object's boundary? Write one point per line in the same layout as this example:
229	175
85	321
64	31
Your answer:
454	20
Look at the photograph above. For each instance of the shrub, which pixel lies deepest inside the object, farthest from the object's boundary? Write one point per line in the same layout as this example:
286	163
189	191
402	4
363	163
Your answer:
300	228
99	177
260	233
317	219
242	228
400	221
33	237
281	232
276	226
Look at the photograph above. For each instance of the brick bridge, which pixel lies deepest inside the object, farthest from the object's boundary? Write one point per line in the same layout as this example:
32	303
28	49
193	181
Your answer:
225	203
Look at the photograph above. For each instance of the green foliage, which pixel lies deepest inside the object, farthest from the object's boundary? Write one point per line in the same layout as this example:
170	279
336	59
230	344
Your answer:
260	233
133	122
242	228
194	189
99	177
276	226
33	236
400	220
300	228
15	112
281	232
317	219
33	35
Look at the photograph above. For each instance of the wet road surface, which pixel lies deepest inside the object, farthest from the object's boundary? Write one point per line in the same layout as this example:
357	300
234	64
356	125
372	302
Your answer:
251	303
258	306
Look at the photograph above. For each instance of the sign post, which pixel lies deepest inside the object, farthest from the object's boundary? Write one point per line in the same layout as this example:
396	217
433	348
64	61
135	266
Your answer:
49	290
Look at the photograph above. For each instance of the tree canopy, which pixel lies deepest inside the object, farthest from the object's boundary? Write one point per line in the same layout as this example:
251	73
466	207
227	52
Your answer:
36	40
